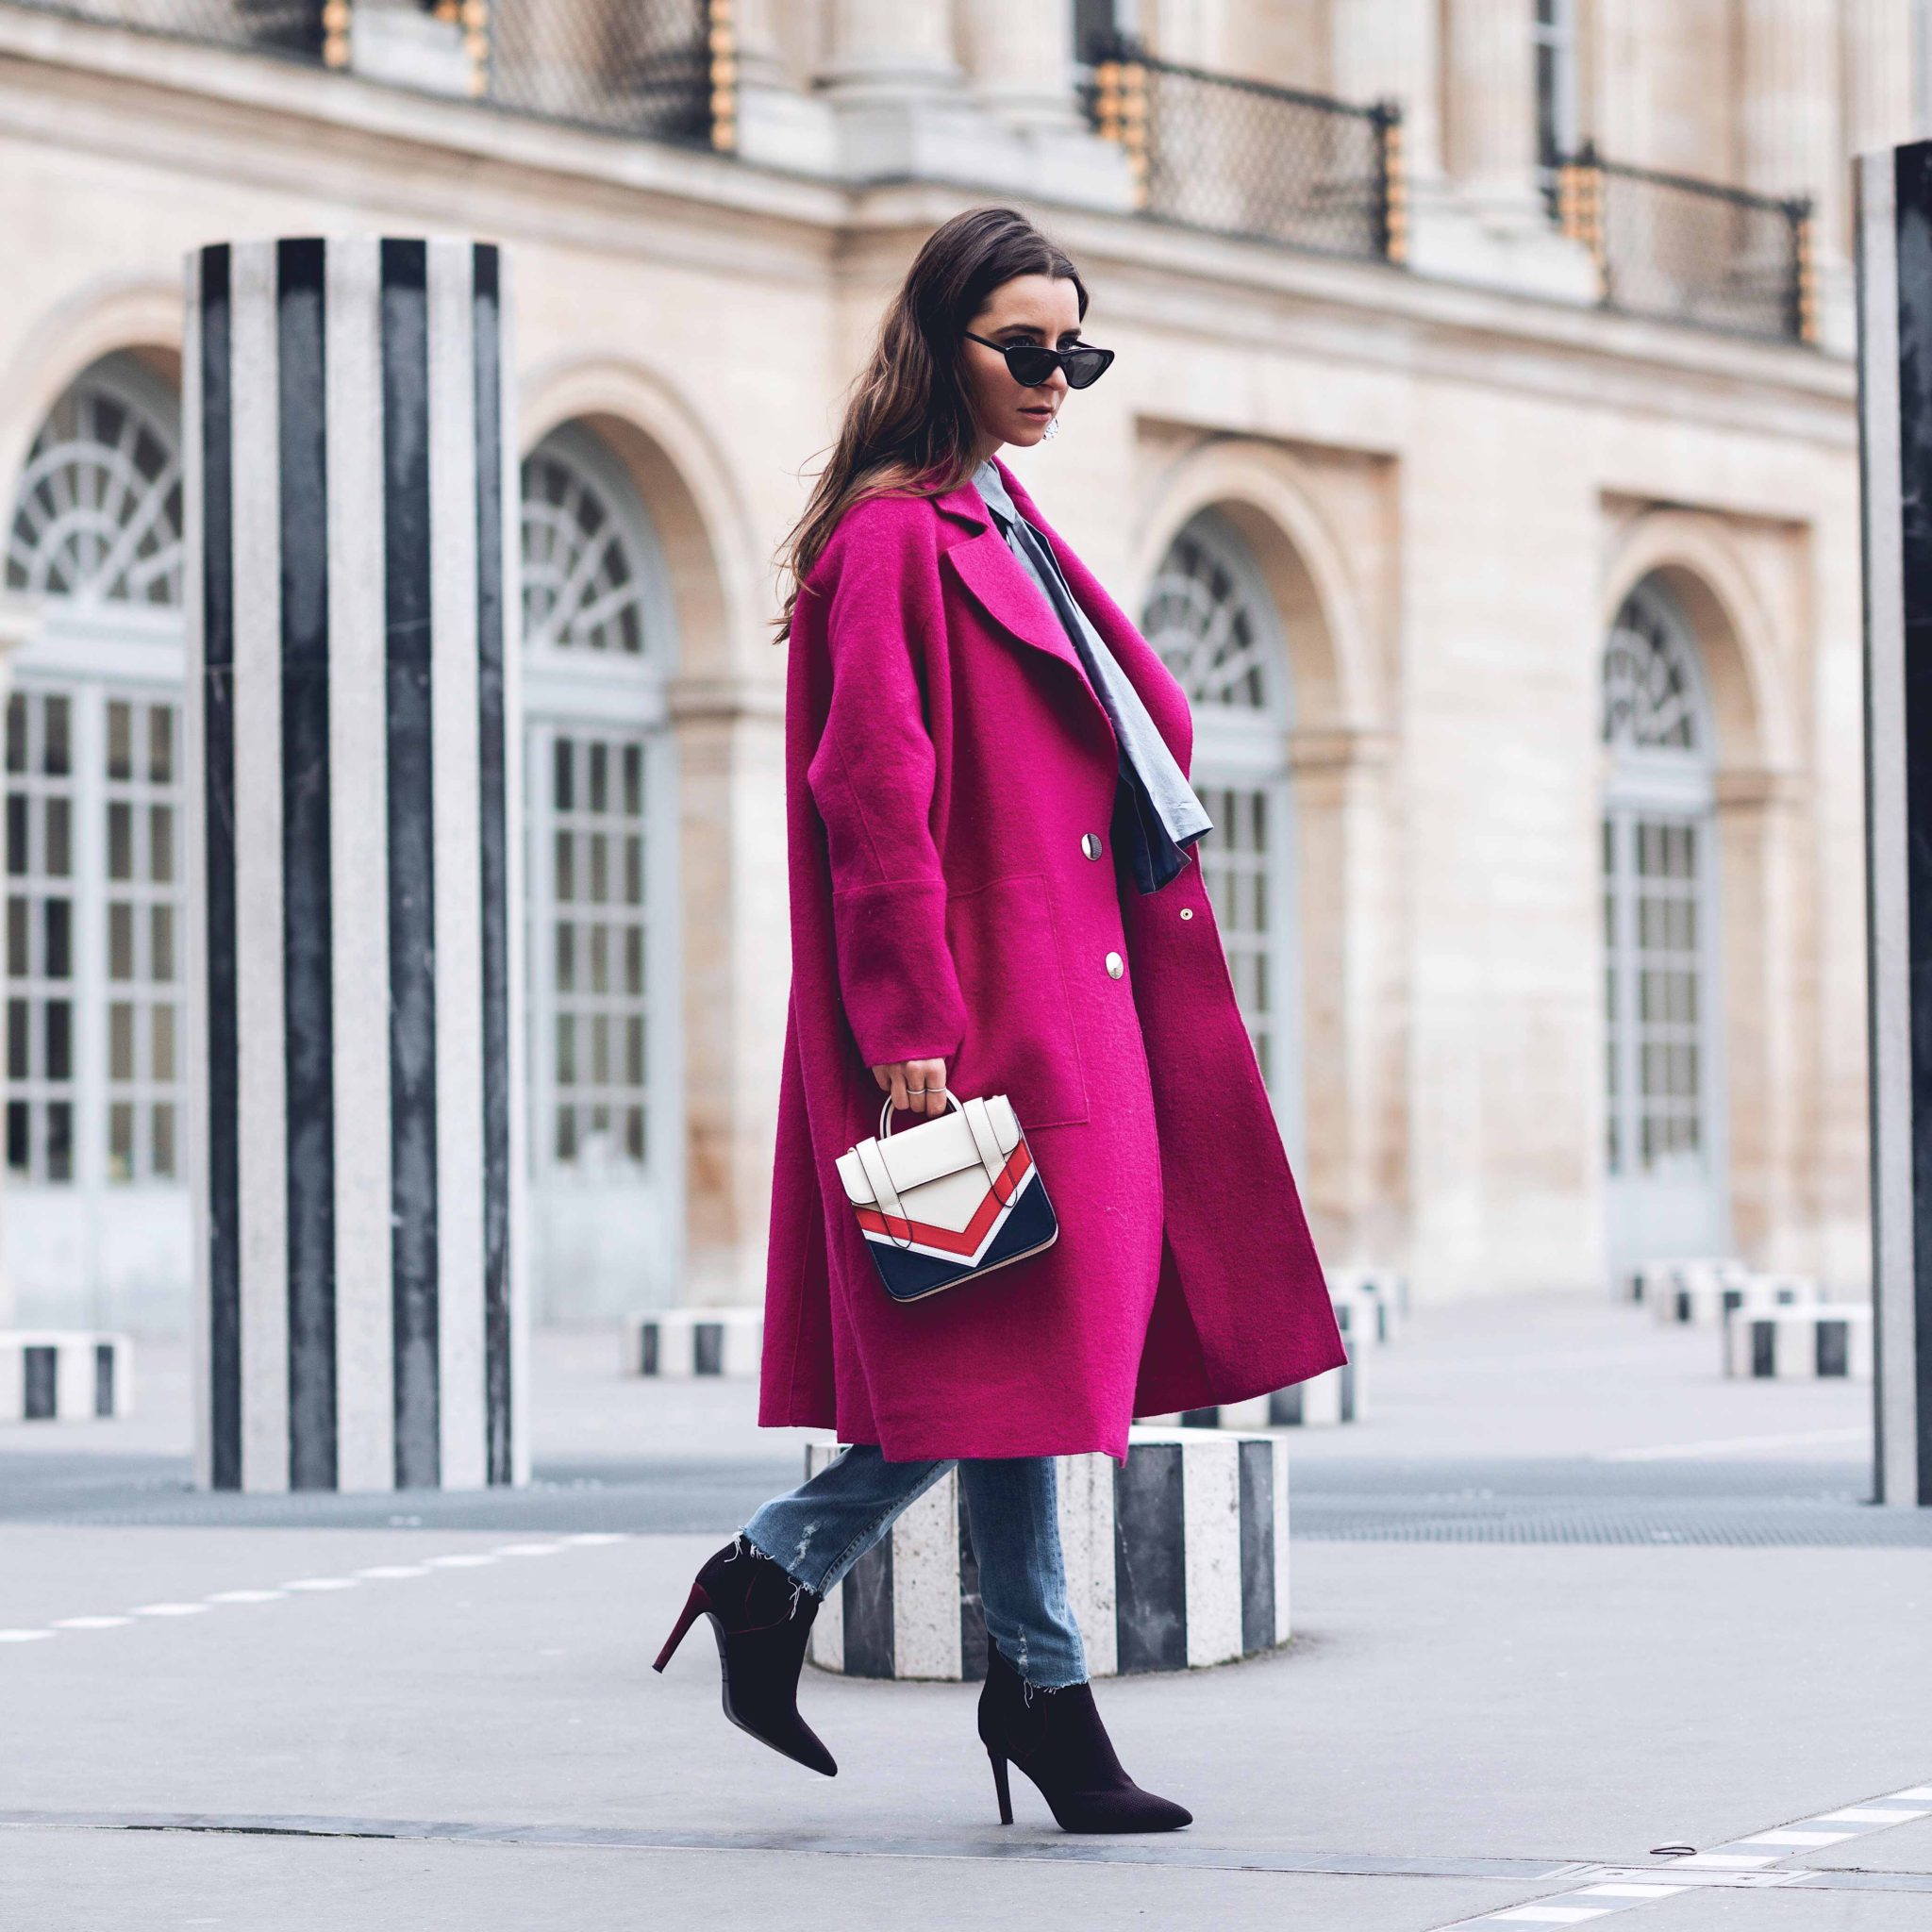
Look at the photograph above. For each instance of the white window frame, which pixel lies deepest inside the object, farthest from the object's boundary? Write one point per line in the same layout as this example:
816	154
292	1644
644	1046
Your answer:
90	1251
582	1219
1246	747
1670	784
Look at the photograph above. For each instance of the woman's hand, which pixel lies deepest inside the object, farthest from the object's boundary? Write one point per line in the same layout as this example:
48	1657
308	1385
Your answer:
905	1078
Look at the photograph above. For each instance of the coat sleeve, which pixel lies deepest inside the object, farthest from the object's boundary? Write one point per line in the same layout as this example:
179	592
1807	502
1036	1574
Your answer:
872	777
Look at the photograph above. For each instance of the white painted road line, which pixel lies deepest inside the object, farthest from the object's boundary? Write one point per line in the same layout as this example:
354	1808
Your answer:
1550	1915
1734	1866
310	1586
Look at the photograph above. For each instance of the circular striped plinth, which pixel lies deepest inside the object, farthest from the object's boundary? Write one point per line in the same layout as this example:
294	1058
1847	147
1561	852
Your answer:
1824	1341
1337	1395
64	1375
1377	1299
1704	1294
676	1344
1176	1558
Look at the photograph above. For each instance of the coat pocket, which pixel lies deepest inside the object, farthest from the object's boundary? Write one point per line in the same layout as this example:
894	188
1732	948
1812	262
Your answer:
1019	1038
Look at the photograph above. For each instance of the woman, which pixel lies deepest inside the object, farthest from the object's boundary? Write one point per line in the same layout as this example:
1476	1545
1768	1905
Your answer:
972	727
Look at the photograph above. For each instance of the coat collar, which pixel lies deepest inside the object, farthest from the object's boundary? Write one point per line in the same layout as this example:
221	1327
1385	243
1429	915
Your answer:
995	578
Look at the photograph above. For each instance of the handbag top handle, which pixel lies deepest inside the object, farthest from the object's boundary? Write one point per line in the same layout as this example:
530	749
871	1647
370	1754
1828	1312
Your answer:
886	1111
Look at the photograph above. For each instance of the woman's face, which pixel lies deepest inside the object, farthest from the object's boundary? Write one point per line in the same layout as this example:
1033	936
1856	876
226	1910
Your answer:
1028	308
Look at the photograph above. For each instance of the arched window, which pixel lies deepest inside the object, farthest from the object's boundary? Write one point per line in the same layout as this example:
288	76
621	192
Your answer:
1209	614
582	590
95	800
601	818
97	516
1661	980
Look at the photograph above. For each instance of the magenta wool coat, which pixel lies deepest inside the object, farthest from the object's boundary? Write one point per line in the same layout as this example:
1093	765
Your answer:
946	756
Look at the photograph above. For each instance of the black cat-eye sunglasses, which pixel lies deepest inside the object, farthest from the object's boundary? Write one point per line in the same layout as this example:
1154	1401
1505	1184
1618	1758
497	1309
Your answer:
1031	363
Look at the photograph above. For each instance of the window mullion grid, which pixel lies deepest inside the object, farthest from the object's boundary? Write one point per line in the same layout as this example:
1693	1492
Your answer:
92	989
1628	955
539	948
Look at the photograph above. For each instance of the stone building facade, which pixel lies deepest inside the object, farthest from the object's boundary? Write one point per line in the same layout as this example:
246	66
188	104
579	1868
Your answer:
1508	548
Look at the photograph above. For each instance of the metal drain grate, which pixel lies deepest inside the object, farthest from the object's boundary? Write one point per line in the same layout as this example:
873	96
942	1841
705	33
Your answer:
1795	1524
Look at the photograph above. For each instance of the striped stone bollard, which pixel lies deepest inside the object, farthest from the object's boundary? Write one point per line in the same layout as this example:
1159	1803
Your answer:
1698	1293
1378	1296
676	1344
352	725
1337	1395
1176	1558
1825	1341
1650	1282
57	1376
1646	1281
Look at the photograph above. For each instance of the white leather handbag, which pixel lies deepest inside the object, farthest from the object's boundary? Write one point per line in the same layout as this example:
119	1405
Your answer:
955	1197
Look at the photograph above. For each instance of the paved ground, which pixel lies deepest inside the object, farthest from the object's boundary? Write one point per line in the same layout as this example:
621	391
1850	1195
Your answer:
1566	1597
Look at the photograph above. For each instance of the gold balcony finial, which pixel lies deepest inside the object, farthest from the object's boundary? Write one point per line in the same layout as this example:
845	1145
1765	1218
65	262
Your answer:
721	43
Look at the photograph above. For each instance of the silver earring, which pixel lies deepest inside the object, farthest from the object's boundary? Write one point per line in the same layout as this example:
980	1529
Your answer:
1052	429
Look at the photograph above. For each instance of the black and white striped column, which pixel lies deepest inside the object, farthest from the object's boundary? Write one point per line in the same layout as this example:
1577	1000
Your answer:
1895	413
353	716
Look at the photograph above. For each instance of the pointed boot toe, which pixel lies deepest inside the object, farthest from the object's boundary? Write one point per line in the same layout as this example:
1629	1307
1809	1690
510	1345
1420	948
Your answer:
761	1670
1056	1738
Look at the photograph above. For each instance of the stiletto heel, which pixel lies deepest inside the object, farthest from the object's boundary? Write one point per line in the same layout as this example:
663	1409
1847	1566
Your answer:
695	1606
1001	1787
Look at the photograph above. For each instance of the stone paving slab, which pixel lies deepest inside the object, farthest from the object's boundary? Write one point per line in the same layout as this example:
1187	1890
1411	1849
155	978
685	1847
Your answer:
1908	1848
1455	1723
1546	1703
101	1882
1779	1911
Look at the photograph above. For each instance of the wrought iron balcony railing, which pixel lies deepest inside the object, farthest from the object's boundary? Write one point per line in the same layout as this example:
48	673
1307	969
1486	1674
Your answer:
660	69
1683	250
1247	157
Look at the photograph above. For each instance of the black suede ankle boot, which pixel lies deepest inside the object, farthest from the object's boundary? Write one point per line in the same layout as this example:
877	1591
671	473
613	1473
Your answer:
1057	1739
763	1619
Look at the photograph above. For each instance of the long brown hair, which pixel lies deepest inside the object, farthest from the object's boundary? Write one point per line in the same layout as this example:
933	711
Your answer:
909	427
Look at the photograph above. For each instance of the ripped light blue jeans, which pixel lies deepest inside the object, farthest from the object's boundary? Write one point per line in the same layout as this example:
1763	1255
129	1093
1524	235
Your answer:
818	1531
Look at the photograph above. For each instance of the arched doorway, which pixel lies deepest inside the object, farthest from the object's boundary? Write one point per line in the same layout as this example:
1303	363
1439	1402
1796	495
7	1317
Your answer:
97	1222
1664	1151
1208	612
601	807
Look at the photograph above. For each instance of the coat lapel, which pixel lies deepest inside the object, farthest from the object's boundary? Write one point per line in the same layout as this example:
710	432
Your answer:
994	576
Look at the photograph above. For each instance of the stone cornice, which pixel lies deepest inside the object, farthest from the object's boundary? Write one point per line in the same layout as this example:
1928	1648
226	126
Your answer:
107	90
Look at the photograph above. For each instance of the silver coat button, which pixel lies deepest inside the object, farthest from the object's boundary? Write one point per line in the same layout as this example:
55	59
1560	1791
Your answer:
1115	964
1089	845
1186	913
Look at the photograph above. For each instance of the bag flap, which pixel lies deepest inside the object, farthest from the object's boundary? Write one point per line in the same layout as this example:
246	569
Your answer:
935	1147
